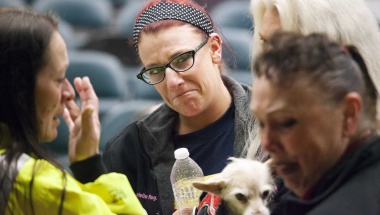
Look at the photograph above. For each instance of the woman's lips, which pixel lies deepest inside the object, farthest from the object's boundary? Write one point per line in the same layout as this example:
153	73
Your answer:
285	169
183	93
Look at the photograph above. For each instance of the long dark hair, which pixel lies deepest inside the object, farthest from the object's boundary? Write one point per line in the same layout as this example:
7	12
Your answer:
24	40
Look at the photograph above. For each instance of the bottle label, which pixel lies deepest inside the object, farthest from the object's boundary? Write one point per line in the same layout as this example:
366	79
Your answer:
185	194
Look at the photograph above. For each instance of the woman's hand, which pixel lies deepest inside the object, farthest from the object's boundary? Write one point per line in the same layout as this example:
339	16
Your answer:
83	124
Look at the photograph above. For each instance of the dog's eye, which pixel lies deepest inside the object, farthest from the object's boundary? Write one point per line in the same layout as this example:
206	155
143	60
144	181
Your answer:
265	194
241	197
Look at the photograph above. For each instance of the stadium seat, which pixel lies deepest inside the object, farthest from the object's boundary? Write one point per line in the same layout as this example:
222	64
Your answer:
79	13
126	17
119	3
121	115
105	73
141	90
234	14
68	34
12	3
116	44
87	17
238	50
119	41
242	76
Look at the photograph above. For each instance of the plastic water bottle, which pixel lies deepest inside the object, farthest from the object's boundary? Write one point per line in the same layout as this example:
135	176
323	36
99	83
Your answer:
185	171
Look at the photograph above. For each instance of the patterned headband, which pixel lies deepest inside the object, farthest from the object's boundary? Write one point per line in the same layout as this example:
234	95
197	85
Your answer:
168	10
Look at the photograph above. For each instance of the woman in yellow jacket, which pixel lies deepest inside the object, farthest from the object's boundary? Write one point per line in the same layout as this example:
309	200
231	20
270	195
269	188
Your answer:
33	94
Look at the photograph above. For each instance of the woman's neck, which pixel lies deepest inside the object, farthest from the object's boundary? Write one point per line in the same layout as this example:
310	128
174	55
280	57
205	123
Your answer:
358	139
216	110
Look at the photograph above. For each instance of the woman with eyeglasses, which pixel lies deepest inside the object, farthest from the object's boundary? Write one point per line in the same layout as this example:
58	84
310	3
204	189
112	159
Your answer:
204	111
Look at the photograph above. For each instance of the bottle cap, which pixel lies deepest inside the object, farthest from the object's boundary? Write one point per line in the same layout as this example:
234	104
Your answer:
181	153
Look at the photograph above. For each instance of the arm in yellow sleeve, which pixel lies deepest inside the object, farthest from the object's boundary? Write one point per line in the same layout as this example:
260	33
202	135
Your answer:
52	192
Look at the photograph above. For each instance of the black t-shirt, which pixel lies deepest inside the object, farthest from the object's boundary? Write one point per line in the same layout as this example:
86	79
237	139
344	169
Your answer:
211	146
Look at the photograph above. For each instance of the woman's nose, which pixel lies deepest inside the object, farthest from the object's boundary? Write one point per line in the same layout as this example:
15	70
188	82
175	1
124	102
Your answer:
269	141
68	92
173	78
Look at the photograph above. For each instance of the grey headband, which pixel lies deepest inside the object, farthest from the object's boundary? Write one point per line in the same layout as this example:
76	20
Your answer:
168	10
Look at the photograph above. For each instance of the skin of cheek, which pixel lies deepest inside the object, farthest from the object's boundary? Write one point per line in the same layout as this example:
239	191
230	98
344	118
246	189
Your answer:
49	89
203	84
312	146
47	103
315	153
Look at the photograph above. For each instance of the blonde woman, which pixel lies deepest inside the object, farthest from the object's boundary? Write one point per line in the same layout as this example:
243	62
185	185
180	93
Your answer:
347	22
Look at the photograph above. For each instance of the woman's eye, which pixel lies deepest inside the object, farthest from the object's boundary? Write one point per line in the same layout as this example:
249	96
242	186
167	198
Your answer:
181	58
153	71
61	80
288	123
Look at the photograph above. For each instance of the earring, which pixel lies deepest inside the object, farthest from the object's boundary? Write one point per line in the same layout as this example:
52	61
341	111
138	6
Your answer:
216	56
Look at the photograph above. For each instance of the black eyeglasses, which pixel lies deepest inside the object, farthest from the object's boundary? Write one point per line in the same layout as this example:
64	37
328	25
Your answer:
179	63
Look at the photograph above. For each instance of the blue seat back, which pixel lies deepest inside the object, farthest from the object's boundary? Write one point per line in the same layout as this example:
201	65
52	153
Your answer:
239	42
79	13
234	14
120	116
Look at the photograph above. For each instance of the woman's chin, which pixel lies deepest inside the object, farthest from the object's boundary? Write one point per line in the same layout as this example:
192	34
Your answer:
51	136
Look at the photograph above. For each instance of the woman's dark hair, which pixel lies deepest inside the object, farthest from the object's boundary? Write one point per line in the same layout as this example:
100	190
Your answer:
24	41
24	38
334	69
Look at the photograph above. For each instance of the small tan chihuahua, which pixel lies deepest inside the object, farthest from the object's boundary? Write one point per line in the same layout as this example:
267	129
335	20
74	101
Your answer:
245	185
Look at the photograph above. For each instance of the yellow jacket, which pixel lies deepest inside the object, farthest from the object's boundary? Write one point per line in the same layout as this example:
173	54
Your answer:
108	194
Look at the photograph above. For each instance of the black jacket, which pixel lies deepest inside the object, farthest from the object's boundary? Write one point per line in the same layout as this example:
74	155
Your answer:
352	187
144	151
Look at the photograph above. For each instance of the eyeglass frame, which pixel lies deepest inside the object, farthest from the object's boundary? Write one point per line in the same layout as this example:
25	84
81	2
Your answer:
143	70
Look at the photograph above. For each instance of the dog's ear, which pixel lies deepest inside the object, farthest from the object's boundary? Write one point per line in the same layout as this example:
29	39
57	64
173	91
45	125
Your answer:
268	163
213	185
232	159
